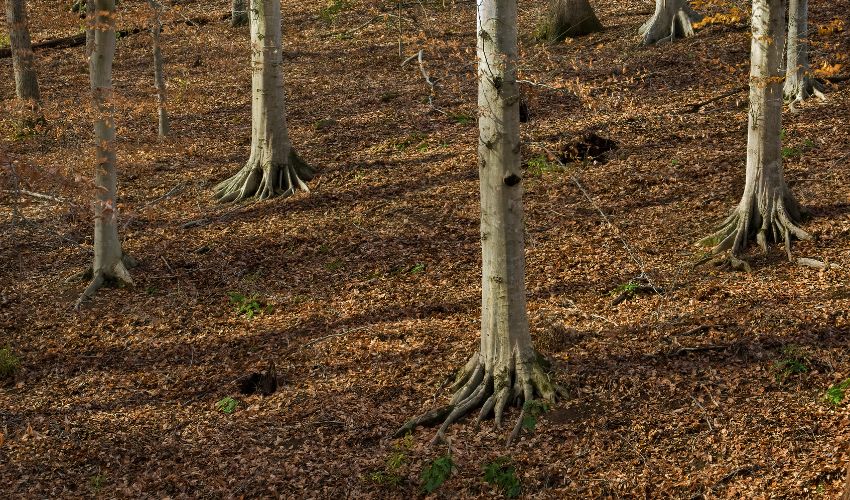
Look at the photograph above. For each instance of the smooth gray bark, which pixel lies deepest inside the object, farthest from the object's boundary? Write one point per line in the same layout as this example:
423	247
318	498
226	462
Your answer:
505	369
273	169
23	60
672	19
570	18
768	210
799	83
159	80
238	13
109	259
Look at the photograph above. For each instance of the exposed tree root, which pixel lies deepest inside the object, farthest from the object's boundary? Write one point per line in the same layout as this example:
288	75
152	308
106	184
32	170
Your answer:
799	89
118	275
266	181
666	27
772	219
476	387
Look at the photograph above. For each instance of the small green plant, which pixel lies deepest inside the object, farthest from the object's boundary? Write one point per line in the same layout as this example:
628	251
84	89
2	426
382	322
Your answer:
794	361
540	164
836	393
533	410
435	474
390	475
9	363
462	118
227	405
628	288
332	9
502	474
417	268
98	481
246	305
414	139
334	265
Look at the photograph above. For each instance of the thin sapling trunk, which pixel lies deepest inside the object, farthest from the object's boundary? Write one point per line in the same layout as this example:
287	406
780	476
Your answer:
110	263
159	80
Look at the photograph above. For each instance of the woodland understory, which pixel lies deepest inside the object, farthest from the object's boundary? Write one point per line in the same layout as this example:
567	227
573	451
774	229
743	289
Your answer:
363	294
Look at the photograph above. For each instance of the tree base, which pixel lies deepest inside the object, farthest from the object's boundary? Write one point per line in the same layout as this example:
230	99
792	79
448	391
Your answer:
664	27
797	90
568	19
266	181
476	387
117	275
778	221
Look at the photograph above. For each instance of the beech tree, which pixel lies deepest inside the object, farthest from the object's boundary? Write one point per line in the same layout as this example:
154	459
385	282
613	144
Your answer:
159	79
768	211
110	264
506	369
274	168
672	19
23	60
799	83
569	18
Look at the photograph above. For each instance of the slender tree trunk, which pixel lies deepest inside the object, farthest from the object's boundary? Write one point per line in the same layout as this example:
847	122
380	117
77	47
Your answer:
110	264
768	210
238	13
90	8
159	80
672	19
799	84
273	169
23	60
569	18
506	368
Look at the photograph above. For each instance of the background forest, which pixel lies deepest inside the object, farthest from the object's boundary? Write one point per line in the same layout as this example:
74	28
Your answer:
683	379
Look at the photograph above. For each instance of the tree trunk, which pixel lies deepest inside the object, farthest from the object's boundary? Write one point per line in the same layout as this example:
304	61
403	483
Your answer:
90	8
768	210
570	18
23	60
506	369
110	264
273	169
799	84
159	80
672	19
238	13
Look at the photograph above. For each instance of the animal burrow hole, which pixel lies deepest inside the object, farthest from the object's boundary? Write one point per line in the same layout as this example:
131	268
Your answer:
264	382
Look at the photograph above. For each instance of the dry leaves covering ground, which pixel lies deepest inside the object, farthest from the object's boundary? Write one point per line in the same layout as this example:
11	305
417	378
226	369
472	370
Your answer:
372	279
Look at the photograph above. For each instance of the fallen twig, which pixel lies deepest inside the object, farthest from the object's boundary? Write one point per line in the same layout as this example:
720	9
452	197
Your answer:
333	335
694	107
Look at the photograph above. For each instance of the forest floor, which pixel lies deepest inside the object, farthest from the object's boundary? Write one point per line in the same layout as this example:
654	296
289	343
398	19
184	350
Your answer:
366	291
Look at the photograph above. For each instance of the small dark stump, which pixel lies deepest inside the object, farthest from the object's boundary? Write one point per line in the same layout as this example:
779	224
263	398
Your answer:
590	147
264	382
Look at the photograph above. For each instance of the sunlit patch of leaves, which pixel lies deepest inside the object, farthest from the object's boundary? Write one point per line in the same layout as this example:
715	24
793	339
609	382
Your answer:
501	473
836	393
248	305
437	473
227	405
